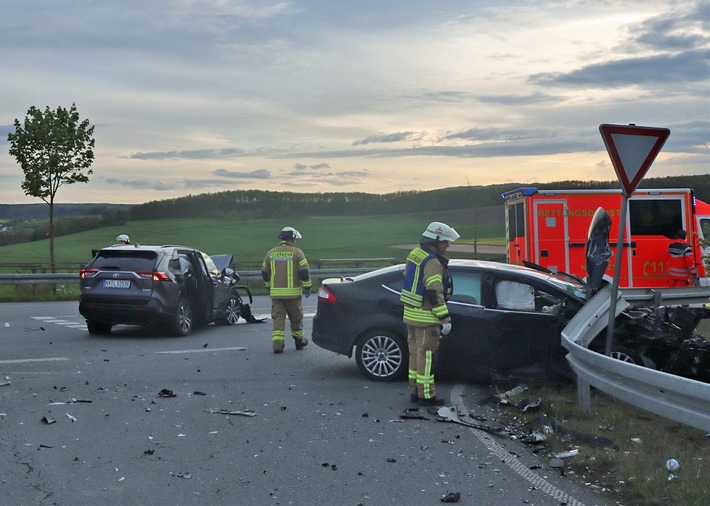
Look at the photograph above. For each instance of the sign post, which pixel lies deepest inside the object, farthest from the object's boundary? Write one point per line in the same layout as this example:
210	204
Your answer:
632	150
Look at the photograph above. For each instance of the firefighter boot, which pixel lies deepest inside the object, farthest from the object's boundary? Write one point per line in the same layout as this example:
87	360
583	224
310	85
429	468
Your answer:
301	343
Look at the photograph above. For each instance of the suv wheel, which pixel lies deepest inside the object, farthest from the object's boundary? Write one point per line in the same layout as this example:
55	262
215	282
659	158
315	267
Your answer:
382	355
232	312
98	328
184	319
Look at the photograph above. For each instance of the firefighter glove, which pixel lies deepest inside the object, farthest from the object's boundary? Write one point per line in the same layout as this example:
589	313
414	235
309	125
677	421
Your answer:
445	329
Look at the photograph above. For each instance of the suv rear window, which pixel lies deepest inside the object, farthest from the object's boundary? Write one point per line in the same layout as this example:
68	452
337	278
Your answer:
134	261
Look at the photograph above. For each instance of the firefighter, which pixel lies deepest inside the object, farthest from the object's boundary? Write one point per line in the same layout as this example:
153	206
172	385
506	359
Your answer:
287	275
427	287
681	268
123	239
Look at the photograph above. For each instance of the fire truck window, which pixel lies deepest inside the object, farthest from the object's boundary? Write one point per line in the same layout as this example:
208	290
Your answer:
516	221
655	217
514	295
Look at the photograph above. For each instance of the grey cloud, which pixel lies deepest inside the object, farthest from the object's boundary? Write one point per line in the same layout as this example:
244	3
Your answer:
194	154
145	184
393	137
661	69
317	166
254	174
672	32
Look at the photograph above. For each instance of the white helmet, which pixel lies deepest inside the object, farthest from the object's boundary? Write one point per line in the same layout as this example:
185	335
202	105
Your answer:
123	238
289	233
440	232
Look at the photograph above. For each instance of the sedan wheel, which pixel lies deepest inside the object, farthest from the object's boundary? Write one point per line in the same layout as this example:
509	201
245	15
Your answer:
232	312
183	323
382	356
626	355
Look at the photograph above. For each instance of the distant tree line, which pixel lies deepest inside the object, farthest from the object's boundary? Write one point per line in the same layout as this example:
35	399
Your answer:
28	221
265	204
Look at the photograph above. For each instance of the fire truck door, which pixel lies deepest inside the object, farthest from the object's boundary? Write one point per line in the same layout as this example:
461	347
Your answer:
551	235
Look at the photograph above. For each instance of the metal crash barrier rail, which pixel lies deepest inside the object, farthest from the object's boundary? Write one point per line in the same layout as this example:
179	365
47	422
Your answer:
65	278
680	399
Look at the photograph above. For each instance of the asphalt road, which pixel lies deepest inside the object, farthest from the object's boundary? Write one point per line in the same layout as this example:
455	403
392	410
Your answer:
83	422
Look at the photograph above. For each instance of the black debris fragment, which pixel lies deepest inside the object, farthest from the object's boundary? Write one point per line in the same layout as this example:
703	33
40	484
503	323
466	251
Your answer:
197	392
48	420
452	497
166	393
148	452
391	460
245	311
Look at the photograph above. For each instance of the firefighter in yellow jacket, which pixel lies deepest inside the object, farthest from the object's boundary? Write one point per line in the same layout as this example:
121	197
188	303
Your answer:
286	275
427	287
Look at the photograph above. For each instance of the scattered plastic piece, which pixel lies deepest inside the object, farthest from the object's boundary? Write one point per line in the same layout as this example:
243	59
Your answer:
242	412
48	421
564	455
166	393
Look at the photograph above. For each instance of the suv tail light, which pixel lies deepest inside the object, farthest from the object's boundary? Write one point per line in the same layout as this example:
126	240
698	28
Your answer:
155	276
88	273
325	295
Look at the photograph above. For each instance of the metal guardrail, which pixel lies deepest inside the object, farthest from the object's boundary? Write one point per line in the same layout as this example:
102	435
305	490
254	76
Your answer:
66	278
680	399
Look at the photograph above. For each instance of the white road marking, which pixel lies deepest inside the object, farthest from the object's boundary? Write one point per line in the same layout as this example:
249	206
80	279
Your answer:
26	360
511	461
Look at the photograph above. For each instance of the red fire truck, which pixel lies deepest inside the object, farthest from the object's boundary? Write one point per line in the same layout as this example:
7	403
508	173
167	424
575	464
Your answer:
550	227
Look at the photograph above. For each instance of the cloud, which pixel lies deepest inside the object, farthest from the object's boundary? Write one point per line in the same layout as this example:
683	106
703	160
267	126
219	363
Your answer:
254	174
384	138
193	154
317	166
693	66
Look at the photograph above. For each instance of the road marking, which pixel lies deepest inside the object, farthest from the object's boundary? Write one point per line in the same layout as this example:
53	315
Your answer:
63	323
511	461
26	360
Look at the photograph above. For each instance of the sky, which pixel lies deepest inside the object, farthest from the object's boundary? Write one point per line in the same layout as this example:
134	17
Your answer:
203	96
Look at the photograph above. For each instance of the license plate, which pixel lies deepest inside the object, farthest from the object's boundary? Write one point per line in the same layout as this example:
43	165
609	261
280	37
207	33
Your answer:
116	283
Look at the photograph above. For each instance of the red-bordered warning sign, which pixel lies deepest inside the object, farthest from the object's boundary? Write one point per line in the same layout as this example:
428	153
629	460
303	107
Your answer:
632	150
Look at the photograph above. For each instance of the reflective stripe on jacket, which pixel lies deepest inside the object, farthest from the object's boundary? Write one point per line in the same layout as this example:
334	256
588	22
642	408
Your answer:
682	263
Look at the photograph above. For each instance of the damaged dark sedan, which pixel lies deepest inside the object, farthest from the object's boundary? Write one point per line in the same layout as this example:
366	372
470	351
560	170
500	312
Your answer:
506	322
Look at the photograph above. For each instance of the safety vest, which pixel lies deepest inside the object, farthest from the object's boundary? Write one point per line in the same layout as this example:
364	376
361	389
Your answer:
682	263
416	309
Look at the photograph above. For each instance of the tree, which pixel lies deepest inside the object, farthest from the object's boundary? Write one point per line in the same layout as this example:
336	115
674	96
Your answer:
53	148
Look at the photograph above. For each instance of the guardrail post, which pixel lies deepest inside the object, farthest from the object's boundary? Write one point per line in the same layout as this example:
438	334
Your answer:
584	395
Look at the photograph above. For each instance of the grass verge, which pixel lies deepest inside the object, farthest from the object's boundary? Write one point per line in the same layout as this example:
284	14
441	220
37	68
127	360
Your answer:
622	450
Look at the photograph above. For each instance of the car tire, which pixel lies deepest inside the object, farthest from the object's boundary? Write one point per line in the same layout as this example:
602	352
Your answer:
626	355
98	328
232	312
184	318
382	355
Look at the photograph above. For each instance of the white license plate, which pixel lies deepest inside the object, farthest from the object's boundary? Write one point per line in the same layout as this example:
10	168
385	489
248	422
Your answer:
116	283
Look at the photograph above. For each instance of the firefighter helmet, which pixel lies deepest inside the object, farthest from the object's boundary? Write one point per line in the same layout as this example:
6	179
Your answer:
123	239
289	233
440	232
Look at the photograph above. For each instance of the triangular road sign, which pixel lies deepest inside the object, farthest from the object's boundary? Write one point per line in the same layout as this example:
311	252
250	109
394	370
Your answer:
632	150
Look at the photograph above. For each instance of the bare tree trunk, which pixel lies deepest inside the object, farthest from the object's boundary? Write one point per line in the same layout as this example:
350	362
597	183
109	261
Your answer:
51	236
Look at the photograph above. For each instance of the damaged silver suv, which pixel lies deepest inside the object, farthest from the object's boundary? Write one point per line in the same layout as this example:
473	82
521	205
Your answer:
169	287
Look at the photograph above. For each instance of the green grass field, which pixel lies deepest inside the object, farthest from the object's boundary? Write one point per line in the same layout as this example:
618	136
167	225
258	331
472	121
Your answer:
324	237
